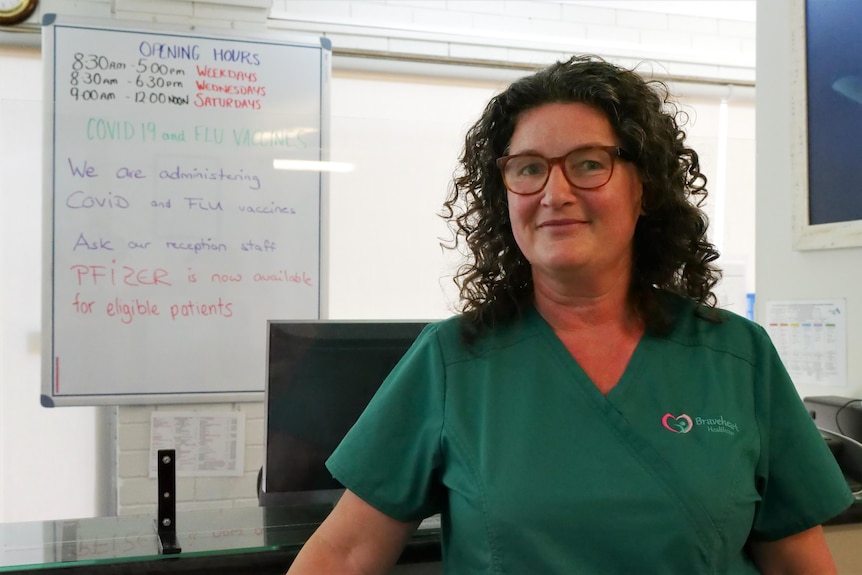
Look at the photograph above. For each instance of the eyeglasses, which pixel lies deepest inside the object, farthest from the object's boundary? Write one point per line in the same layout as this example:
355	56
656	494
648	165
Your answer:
585	168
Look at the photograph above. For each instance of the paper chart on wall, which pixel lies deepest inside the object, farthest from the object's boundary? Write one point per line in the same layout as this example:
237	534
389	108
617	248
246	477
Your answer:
207	444
810	336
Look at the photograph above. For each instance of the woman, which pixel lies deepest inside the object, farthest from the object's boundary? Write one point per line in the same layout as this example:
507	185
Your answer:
590	411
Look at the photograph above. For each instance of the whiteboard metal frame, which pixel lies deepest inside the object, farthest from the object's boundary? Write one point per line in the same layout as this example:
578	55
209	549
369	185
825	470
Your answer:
805	235
47	397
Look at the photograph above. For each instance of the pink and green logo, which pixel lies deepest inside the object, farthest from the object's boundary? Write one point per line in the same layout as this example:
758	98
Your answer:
677	423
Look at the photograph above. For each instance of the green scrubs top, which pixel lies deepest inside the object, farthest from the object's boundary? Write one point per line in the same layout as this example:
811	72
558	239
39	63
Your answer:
702	445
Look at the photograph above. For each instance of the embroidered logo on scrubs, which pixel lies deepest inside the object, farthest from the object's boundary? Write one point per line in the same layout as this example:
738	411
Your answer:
677	423
718	425
684	423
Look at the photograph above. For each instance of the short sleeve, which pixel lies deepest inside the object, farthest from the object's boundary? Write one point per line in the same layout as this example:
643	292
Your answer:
391	457
799	481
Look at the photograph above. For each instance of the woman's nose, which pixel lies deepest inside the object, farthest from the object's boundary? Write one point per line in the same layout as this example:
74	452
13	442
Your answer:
557	190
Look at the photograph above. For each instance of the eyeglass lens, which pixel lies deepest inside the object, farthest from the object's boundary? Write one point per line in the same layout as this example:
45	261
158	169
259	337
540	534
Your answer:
584	168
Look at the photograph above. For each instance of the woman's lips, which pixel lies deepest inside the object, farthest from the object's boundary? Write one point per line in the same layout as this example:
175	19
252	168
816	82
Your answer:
560	223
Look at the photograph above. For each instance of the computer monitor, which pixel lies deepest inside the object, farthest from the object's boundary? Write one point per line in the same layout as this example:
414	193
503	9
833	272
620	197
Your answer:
320	376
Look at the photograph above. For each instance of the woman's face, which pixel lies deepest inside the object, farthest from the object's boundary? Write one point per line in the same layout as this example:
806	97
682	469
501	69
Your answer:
562	229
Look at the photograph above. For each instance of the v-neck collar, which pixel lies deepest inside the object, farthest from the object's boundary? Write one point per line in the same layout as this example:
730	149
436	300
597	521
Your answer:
626	380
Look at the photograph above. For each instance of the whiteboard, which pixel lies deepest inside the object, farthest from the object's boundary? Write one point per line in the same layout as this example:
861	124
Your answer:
170	239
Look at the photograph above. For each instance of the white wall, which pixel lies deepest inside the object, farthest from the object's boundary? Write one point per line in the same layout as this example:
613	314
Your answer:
782	272
45	471
382	234
723	136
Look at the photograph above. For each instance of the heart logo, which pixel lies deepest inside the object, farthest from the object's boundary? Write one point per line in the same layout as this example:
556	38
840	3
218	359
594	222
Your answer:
677	423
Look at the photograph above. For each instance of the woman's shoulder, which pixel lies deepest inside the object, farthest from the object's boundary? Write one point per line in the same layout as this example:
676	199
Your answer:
453	335
718	328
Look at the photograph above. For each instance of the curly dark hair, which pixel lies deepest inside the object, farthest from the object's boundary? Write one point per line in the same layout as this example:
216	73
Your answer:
671	252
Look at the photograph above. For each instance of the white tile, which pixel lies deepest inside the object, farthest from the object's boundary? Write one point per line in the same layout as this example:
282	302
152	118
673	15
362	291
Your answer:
147	509
380	14
136	16
134	436
254	432
95	9
185	488
138	490
613	34
133	464
134	414
196	407
563	29
664	40
442	19
192	505
212	23
253	458
173	20
533	9
589	15
225	488
737	28
641	19
160	7
477	6
502	24
230	13
710	43
337	10
693	24
252	409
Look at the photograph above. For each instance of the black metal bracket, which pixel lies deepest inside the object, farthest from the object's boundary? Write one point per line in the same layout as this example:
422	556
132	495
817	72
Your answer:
166	523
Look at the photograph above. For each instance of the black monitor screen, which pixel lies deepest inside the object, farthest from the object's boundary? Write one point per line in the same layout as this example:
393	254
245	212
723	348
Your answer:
320	376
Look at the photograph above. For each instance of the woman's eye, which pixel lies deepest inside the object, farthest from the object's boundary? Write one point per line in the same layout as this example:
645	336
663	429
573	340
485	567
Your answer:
530	168
587	161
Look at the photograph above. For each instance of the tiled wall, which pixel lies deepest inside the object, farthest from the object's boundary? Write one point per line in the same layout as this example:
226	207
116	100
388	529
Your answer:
527	32
501	32
136	492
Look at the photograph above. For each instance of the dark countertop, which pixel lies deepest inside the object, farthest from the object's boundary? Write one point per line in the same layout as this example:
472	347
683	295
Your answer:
235	540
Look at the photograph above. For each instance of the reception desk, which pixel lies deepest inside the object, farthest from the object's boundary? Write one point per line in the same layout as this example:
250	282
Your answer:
845	542
243	540
236	540
844	537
